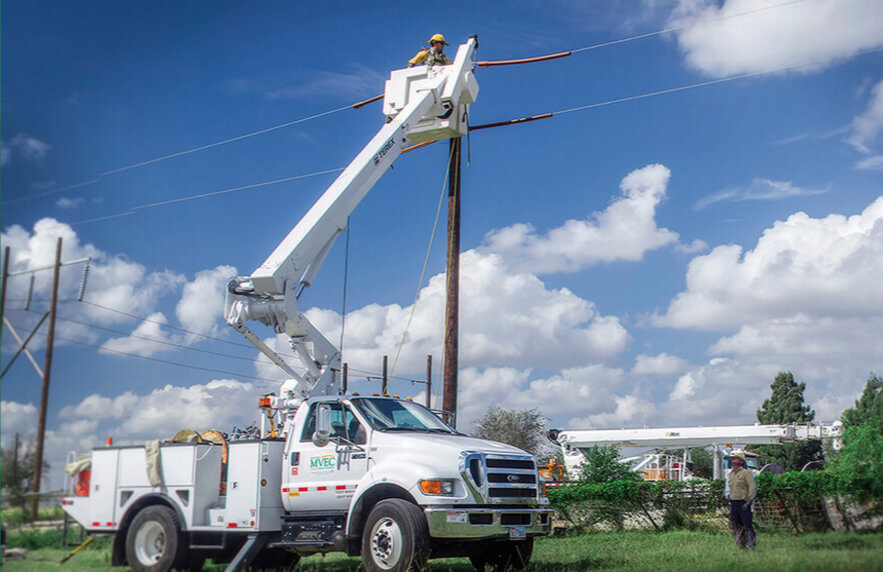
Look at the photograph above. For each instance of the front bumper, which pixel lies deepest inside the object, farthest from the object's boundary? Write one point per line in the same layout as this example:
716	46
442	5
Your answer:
456	522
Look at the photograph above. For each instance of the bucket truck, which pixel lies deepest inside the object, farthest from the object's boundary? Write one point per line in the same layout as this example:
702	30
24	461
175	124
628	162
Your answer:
574	442
375	476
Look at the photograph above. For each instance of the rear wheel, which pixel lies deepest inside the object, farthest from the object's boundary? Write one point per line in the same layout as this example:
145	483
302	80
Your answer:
155	542
503	556
396	538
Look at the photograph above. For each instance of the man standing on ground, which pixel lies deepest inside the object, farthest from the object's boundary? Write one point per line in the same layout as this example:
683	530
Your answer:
742	492
434	56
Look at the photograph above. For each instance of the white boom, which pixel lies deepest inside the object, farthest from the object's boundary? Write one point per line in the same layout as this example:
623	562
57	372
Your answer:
421	104
573	442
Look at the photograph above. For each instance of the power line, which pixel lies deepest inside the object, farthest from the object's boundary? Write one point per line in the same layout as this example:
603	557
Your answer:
225	141
714	81
163	325
154	340
133	210
169	362
684	27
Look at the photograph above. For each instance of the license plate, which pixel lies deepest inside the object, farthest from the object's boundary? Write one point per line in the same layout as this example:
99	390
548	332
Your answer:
517	534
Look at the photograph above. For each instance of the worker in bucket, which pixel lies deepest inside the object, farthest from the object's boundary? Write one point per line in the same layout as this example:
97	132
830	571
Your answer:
434	56
742	491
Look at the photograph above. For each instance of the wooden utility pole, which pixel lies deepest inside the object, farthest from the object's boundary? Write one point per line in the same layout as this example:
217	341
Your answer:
3	286
47	371
428	380
452	309
384	384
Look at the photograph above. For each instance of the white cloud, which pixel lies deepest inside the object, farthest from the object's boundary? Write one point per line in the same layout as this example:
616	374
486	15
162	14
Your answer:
662	364
760	189
359	81
506	318
874	162
114	281
802	265
25	146
146	339
202	301
799	33
17	418
866	126
624	231
692	248
66	203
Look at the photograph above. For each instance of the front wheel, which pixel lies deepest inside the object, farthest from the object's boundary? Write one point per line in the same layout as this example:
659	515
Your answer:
503	556
155	542
396	538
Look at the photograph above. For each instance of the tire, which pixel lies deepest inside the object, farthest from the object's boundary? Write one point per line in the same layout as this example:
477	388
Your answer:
503	556
154	542
395	538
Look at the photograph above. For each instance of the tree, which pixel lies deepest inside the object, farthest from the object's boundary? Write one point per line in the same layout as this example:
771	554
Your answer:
17	472
523	429
602	465
869	407
786	406
703	463
861	460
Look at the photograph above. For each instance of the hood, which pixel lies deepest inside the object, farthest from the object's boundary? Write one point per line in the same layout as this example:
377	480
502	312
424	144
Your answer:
438	446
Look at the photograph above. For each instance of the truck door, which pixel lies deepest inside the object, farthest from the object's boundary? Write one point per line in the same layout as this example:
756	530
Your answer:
325	478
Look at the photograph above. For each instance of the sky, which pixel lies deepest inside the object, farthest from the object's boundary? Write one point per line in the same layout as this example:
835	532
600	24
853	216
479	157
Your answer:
630	261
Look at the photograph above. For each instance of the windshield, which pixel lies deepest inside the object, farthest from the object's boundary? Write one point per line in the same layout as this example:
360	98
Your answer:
392	415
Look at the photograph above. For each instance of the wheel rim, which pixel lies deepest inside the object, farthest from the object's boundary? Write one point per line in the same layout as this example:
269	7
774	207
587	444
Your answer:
150	543
386	543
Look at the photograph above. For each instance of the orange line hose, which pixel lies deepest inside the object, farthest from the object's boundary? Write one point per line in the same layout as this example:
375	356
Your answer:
523	61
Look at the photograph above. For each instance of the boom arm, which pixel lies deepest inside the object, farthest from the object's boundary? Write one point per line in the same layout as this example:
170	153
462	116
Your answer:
421	104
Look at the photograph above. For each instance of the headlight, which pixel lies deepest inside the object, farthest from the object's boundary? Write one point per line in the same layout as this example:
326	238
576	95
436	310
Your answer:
444	487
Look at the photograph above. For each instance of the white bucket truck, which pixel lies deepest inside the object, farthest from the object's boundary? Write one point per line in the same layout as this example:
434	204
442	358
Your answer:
374	476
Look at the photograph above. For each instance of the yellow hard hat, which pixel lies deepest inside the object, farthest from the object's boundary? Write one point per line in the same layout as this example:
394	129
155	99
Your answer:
438	38
739	456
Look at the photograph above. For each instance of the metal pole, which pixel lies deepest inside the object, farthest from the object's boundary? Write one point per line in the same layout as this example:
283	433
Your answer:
47	370
384	384
3	286
346	376
428	380
449	401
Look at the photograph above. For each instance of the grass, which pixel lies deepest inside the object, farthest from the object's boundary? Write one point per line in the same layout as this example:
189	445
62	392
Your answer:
668	551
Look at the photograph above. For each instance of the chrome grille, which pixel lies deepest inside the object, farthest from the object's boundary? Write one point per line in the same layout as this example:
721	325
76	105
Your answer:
501	479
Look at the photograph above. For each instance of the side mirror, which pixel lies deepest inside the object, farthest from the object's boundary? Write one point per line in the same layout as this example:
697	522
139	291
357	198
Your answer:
322	435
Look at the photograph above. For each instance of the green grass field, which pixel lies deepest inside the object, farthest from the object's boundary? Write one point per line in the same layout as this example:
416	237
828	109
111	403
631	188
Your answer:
680	551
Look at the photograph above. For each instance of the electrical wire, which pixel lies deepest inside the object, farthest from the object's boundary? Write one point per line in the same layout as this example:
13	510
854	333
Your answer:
425	260
149	339
169	362
134	210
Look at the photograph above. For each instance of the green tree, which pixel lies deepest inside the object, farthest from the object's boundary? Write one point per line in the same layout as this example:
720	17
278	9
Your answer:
602	465
861	460
786	406
868	407
523	429
17	472
703	463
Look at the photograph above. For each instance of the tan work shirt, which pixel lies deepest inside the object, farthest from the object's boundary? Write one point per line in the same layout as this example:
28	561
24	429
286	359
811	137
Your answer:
741	484
430	57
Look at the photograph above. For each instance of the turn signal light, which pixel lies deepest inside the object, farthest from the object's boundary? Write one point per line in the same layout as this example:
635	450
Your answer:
437	487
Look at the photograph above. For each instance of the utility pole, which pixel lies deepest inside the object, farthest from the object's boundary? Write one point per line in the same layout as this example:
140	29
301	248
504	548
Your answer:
452	309
428	380
3	286
47	370
384	383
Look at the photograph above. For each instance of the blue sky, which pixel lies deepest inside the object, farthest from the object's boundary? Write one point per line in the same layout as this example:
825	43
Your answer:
649	262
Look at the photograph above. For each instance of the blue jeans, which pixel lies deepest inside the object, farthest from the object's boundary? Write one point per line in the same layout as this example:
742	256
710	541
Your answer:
740	518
